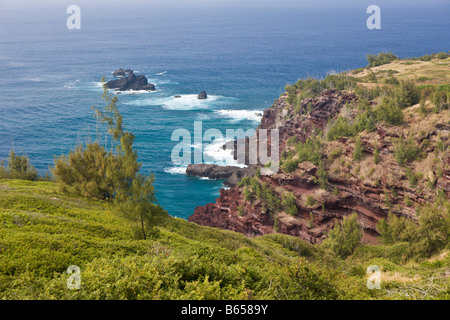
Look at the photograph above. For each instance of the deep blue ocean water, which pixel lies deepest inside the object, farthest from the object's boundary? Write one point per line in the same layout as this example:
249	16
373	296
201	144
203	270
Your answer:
242	57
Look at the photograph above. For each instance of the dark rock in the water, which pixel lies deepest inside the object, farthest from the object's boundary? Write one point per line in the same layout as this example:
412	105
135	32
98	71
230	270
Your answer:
231	174
177	96
119	73
129	72
132	82
202	95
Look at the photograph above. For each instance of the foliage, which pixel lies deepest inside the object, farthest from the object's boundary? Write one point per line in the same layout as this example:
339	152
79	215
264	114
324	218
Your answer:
340	128
289	165
406	150
426	237
380	59
310	150
17	167
261	191
92	171
322	175
140	207
359	150
406	94
336	191
389	112
412	177
310	201
289	204
345	237
376	155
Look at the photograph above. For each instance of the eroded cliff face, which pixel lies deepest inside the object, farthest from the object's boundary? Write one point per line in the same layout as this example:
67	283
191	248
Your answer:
370	189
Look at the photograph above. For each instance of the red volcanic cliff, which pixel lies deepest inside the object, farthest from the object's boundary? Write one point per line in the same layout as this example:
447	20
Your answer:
371	190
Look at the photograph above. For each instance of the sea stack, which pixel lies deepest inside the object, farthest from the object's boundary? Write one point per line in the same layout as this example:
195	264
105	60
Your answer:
202	95
131	82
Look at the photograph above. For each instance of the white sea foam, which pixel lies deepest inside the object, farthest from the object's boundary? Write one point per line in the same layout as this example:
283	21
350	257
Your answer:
134	91
240	115
175	170
34	79
160	81
213	153
161	73
185	102
71	84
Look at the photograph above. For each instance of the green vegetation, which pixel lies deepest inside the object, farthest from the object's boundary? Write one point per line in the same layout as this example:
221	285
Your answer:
310	150
84	218
380	59
43	231
344	237
289	204
261	191
376	155
92	172
358	153
17	167
289	165
406	94
406	150
412	177
336	191
310	201
389	112
426	237
310	88
322	176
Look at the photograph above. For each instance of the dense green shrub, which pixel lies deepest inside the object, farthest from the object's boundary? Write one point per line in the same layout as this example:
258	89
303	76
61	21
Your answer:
388	112
442	55
310	150
345	237
17	167
322	176
406	94
289	204
380	59
340	128
358	153
429	235
93	172
289	165
310	201
406	150
376	155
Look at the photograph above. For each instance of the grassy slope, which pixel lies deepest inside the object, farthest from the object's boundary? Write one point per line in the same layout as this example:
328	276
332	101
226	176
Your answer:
436	71
42	232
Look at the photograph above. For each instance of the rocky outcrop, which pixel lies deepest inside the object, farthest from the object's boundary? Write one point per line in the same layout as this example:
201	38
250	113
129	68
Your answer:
352	186
119	73
202	95
122	73
230	174
132	82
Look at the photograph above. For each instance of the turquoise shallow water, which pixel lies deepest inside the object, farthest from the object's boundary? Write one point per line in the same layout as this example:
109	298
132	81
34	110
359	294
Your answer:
242	57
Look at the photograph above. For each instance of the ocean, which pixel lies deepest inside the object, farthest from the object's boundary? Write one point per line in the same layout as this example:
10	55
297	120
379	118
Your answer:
242	57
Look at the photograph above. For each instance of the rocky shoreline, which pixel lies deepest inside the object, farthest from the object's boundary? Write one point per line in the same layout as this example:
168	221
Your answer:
129	81
344	193
232	175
